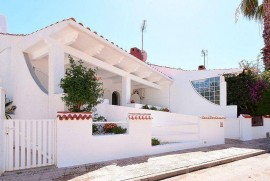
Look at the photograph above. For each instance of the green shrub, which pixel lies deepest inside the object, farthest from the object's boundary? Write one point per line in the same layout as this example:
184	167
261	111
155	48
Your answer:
165	110
153	108
155	142
99	119
119	130
264	105
82	89
145	106
94	128
114	129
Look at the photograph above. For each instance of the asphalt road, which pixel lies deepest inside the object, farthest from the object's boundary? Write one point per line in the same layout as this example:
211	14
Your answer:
254	168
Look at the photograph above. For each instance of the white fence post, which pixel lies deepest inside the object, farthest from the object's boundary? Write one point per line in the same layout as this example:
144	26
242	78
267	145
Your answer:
2	116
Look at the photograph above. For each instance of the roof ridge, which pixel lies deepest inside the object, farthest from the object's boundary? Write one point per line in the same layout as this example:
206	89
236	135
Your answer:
190	70
165	66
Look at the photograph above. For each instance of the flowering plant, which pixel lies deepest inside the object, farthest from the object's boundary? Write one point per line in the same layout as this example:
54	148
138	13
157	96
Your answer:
109	127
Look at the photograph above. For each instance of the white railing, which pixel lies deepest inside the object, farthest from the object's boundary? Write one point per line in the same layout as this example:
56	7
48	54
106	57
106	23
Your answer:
29	143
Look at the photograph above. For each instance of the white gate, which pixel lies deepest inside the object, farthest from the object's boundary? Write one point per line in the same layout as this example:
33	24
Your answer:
29	143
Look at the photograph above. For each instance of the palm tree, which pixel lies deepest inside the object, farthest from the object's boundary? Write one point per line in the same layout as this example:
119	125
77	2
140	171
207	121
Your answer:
252	10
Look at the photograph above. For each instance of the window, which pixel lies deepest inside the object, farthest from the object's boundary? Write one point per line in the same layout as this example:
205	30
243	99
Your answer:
208	88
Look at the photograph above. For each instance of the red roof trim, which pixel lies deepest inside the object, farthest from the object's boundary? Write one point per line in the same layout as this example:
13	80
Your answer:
246	116
139	116
212	117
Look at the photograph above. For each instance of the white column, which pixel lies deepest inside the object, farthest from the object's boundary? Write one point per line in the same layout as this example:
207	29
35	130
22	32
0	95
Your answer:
2	134
56	68
126	91
223	91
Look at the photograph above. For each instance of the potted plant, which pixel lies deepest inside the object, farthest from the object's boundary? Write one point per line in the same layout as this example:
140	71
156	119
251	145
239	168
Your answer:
9	108
82	91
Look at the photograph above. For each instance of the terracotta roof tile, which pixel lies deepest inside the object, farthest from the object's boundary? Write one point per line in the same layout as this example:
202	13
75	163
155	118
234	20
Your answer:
139	116
212	117
246	115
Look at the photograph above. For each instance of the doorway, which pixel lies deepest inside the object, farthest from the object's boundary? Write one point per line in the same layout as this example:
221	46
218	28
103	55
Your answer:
115	98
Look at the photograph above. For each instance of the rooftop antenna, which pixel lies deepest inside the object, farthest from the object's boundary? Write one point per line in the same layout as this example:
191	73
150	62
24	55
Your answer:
143	28
204	54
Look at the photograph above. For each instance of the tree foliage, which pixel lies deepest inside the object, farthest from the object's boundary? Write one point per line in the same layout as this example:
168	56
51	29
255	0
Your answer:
82	89
251	9
250	91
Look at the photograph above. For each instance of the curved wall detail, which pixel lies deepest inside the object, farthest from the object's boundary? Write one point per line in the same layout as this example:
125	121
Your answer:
34	75
208	88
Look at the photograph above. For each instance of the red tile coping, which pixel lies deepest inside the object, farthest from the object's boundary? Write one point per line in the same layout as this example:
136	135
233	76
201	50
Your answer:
74	116
267	116
139	116
246	116
212	117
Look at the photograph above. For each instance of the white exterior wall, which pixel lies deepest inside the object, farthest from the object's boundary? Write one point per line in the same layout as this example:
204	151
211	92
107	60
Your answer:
160	98
212	132
248	132
2	129
31	101
180	97
72	150
232	128
137	141
185	100
172	127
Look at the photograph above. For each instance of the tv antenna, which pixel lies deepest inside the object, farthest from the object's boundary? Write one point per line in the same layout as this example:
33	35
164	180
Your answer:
143	28
204	54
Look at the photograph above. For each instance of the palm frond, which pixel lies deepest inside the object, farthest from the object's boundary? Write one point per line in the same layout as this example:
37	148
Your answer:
259	13
250	9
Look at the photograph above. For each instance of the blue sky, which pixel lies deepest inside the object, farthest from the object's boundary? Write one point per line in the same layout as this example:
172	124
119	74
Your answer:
176	32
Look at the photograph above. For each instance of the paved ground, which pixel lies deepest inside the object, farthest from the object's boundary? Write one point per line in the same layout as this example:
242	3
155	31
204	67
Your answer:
146	166
254	168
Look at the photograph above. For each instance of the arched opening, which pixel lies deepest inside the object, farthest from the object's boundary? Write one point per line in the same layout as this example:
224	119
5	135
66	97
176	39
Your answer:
115	98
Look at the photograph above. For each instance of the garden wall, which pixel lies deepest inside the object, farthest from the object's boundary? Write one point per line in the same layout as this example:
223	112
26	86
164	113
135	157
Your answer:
76	145
248	132
232	128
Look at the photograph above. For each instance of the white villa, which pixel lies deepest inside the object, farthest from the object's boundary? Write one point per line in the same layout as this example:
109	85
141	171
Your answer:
33	64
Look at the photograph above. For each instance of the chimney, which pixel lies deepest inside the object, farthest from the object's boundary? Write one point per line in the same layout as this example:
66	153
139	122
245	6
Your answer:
136	52
201	67
3	24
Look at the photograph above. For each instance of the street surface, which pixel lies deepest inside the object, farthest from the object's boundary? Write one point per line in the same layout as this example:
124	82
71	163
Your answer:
255	168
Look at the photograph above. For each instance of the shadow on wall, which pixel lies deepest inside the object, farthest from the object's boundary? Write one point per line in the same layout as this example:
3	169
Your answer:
33	74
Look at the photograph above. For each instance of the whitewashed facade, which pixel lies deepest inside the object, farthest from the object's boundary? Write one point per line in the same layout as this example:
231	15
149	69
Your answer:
32	66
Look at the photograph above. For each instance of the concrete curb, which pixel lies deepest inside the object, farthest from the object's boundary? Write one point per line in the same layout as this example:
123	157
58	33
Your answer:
180	171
